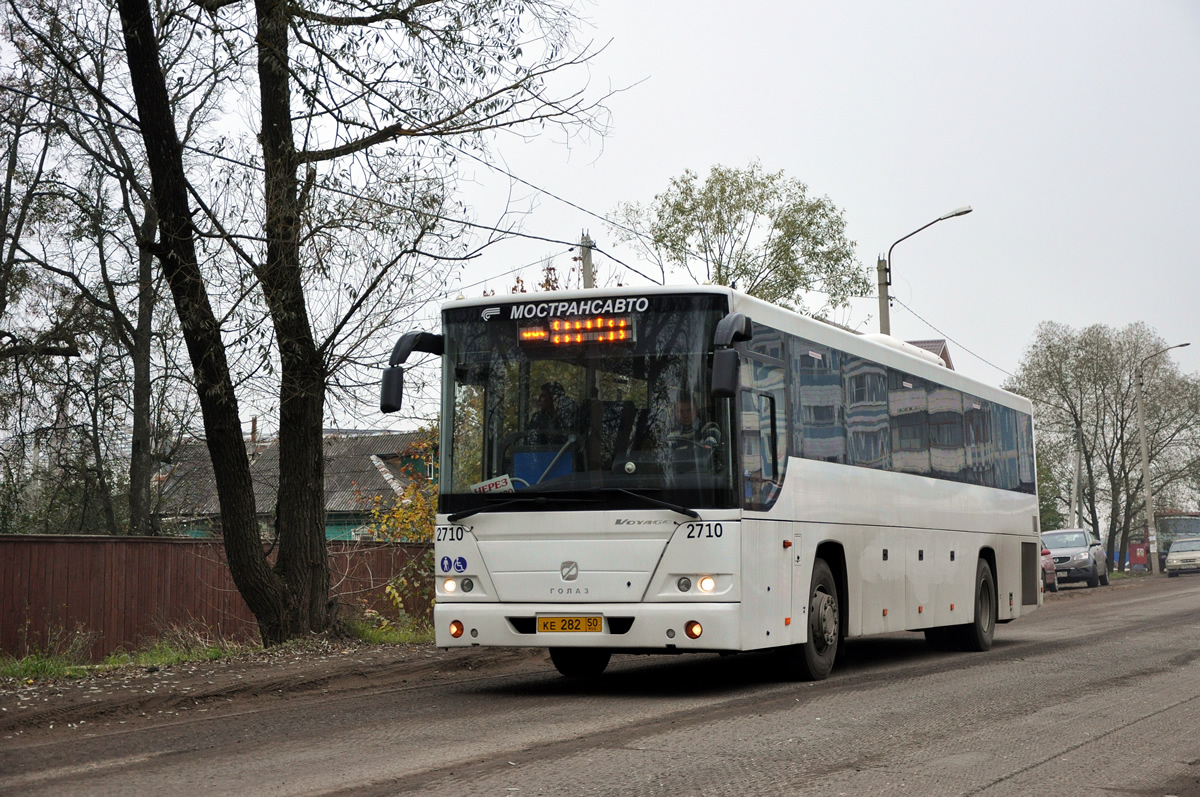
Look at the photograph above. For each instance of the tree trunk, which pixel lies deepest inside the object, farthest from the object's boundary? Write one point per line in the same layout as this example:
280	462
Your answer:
141	458
103	490
303	561
263	591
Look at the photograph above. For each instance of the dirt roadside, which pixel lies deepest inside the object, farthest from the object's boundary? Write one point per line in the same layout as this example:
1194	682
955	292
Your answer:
133	696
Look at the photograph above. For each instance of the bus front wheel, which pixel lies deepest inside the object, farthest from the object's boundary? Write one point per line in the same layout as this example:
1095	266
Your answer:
813	659
580	662
978	635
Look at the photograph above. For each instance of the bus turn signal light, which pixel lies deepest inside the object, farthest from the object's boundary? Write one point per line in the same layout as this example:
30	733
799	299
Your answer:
456	629
693	629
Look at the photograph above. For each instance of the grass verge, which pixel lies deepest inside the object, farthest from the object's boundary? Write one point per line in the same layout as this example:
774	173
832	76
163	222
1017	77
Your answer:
373	633
65	655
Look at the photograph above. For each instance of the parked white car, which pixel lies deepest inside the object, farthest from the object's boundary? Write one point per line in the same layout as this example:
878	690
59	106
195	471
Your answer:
1078	556
1183	556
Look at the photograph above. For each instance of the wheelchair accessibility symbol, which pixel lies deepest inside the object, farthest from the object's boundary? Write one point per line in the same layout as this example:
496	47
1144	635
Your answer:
460	565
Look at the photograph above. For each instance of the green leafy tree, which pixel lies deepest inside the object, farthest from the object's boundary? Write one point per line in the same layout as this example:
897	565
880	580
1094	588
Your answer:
1050	493
1085	379
758	231
410	517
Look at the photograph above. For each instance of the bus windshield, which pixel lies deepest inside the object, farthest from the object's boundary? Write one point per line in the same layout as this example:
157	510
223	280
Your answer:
601	399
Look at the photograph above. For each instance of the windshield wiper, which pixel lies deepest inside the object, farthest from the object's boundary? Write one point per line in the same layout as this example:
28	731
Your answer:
683	510
535	499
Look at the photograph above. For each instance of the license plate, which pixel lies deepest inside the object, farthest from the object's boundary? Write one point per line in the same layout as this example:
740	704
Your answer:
553	625
1063	573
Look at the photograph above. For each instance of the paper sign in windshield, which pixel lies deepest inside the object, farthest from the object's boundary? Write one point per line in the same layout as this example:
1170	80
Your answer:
500	484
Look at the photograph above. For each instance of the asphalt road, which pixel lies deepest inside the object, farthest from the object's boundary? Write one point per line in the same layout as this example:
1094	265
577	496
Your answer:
1096	693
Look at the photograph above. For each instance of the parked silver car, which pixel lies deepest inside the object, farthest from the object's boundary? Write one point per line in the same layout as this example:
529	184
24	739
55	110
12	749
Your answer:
1183	556
1078	556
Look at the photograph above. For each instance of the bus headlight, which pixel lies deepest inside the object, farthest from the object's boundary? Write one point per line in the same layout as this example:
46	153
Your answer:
449	585
468	585
693	629
684	583
707	584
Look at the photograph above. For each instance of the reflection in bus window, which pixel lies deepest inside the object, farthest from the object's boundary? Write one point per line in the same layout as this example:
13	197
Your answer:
908	411
947	457
818	432
867	427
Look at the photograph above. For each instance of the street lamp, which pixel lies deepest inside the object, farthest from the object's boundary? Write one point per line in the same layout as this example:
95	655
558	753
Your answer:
1151	536
884	269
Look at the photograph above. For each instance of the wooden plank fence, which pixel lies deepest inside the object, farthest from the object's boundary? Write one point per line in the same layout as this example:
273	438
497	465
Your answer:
122	591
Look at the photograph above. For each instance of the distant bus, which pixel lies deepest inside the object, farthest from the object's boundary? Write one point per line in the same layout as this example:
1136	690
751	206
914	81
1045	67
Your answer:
673	470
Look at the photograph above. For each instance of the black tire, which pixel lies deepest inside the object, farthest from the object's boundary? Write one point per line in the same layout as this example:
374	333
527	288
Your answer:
1094	578
1104	576
813	659
977	635
580	662
1053	585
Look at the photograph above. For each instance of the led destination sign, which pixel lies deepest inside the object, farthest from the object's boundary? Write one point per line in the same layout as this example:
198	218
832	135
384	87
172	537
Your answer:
584	329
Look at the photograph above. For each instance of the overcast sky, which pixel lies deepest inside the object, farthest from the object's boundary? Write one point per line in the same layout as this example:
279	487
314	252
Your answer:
1071	128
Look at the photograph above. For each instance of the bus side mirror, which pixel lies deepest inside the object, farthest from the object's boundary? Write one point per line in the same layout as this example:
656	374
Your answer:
391	389
733	328
416	341
725	368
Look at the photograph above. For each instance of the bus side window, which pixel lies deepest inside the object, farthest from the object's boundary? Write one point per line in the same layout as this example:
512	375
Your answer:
768	427
752	447
763	432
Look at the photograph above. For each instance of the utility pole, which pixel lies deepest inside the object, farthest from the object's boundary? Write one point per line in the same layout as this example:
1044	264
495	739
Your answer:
1151	543
885	279
585	256
1076	497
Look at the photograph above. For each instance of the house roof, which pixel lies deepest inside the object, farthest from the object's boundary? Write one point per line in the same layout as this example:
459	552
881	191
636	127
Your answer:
358	466
938	348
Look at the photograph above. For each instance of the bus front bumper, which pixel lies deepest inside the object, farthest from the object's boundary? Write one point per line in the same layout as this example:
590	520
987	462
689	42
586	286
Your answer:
627	626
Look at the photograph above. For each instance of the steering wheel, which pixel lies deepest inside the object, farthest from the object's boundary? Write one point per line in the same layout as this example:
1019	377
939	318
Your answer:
677	440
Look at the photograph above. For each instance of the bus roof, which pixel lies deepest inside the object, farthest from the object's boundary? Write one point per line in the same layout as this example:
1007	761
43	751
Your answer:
878	348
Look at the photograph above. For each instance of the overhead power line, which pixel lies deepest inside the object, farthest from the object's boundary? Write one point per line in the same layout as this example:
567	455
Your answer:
376	200
952	340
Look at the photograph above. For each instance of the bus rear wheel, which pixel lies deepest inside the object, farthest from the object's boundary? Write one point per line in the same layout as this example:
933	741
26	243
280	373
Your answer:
813	659
580	662
978	635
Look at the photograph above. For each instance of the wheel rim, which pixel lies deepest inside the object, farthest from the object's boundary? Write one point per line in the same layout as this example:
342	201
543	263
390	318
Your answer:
984	606
823	619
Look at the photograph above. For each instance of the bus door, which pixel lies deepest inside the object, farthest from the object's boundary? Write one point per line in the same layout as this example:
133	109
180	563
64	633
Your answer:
767	562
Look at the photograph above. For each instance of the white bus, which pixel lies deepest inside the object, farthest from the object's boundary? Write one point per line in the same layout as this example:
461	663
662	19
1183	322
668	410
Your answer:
821	485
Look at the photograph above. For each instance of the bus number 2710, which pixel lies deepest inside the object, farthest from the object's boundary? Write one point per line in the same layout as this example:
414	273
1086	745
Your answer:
450	533
696	531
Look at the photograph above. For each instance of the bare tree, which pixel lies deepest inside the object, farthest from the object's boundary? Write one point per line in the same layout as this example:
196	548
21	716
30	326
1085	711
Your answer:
332	222
26	141
91	240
